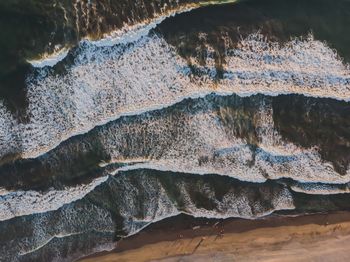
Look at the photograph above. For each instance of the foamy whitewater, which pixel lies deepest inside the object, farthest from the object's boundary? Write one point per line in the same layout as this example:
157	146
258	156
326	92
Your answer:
21	203
50	59
89	214
321	189
105	83
125	35
161	143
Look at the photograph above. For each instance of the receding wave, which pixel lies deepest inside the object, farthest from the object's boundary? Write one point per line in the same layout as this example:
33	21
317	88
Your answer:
125	204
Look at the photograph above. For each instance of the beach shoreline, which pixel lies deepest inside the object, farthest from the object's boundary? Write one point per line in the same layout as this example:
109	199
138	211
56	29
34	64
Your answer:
314	237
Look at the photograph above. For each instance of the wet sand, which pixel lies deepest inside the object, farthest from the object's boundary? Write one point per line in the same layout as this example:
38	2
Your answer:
319	237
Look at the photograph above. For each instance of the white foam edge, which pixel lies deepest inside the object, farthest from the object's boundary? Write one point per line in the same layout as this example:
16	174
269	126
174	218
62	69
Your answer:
193	95
124	35
148	223
58	236
26	198
159	167
319	190
50	59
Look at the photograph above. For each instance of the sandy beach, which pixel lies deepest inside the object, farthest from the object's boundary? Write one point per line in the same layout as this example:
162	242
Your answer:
319	237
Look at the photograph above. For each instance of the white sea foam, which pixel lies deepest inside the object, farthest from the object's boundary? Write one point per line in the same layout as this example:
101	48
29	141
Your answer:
21	203
239	205
124	35
162	143
106	83
51	228
50	59
156	204
132	33
9	140
47	242
321	189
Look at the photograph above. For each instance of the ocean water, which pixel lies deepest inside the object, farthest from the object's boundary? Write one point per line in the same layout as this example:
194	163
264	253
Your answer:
123	115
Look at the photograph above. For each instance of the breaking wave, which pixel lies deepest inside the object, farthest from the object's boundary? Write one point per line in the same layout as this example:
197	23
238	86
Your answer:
161	143
105	83
133	200
21	203
229	136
